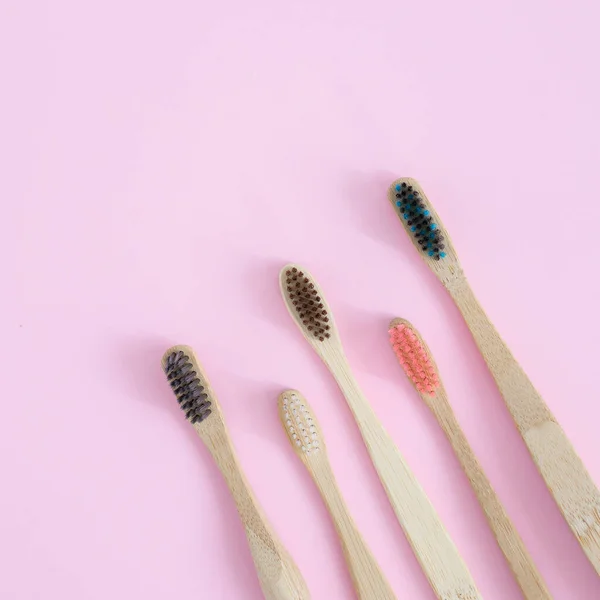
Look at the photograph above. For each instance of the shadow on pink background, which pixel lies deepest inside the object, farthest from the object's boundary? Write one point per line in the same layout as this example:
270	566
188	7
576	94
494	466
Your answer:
162	161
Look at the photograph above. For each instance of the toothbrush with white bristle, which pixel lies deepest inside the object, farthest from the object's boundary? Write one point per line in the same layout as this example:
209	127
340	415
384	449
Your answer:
307	440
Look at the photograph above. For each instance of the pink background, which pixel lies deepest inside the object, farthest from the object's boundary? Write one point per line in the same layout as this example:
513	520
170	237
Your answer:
162	160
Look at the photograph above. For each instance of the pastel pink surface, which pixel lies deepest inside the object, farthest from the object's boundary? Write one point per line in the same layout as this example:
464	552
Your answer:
162	161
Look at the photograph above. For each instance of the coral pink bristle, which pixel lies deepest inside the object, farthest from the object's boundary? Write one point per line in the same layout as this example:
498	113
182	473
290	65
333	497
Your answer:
414	358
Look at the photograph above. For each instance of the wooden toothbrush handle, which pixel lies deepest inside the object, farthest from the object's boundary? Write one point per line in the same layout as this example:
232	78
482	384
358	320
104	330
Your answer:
563	471
439	558
525	404
509	540
368	579
279	577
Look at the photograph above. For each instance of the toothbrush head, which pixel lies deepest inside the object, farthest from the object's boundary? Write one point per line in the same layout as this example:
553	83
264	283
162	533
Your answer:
300	424
419	222
414	357
425	229
188	383
306	304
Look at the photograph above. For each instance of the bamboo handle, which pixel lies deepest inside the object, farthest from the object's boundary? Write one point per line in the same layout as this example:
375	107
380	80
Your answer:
509	540
439	558
369	581
525	404
279	577
563	471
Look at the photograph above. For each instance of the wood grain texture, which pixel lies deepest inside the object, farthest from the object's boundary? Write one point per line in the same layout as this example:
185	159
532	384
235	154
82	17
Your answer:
437	554
307	440
507	536
563	471
279	577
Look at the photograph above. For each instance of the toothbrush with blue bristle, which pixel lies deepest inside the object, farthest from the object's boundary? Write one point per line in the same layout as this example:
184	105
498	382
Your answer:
563	471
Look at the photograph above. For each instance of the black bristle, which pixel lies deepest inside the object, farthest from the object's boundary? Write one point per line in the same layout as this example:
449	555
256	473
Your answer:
187	387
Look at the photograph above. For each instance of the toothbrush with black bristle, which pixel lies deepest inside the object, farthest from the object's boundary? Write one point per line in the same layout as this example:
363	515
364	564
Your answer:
279	577
563	471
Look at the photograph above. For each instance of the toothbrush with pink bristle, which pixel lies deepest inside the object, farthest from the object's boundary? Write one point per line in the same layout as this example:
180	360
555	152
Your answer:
419	366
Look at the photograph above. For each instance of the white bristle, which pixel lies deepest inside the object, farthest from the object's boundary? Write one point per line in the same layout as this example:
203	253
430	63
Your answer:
302	430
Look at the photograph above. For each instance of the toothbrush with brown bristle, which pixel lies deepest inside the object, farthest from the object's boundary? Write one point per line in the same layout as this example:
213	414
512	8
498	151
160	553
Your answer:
306	439
279	577
565	474
418	364
439	558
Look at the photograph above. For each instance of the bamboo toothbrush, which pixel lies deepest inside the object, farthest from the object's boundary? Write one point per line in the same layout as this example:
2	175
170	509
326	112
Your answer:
566	477
279	577
418	364
307	440
439	558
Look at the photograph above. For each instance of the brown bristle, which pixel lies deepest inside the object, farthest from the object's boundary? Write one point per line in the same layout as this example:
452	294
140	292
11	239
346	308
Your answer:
307	303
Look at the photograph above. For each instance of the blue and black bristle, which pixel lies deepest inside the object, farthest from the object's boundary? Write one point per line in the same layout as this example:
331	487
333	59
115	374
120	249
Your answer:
187	387
419	221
